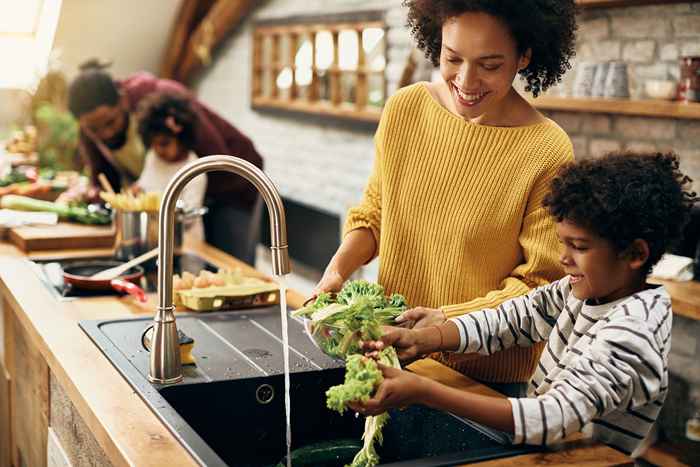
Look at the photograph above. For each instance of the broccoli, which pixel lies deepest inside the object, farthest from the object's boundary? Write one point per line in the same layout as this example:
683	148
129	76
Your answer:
356	289
322	300
397	301
358	313
362	377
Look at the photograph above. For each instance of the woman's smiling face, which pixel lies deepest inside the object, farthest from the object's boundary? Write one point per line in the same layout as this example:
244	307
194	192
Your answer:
478	61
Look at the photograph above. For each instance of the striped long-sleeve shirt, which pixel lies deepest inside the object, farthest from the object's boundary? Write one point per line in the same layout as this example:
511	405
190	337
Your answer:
604	364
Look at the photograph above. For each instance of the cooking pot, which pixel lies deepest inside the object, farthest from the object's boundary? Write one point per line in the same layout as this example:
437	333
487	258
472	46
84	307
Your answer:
137	231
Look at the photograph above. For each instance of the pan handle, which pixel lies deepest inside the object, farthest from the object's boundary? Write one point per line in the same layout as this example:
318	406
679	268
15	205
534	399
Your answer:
129	287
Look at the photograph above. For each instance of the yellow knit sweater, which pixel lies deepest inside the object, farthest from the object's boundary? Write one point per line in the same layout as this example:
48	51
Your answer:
456	209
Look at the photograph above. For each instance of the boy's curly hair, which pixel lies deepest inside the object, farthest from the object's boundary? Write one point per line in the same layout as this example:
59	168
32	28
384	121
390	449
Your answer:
624	196
167	114
548	27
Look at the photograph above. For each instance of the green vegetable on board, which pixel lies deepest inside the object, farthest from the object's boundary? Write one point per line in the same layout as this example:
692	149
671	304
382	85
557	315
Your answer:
80	214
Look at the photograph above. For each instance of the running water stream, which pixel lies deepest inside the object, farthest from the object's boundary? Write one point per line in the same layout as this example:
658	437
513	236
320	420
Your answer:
285	352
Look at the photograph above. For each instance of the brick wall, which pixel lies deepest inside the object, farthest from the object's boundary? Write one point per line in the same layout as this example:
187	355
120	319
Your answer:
651	39
325	164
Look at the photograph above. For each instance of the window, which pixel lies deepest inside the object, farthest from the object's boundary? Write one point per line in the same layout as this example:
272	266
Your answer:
27	29
330	65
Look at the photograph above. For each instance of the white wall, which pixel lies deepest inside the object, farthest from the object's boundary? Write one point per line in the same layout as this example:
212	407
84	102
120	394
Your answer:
132	33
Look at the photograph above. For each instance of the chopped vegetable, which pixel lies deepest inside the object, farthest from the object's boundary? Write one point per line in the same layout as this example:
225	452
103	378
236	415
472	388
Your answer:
82	214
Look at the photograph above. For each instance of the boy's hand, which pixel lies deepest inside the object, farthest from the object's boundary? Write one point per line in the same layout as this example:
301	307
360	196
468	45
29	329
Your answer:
422	317
399	389
405	341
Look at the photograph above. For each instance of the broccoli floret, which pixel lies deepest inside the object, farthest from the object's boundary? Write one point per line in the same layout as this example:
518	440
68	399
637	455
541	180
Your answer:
397	301
361	378
371	291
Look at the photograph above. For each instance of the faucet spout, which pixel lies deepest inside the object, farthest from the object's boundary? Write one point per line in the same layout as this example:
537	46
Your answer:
165	365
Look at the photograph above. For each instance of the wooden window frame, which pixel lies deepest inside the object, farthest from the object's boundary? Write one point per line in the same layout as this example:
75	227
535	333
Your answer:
295	27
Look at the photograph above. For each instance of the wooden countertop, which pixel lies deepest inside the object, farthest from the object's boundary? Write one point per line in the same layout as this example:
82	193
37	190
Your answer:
123	425
685	297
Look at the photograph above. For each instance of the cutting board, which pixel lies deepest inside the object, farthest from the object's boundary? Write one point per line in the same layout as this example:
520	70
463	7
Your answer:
62	236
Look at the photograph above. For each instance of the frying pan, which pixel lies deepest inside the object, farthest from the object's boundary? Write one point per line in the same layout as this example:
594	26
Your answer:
78	275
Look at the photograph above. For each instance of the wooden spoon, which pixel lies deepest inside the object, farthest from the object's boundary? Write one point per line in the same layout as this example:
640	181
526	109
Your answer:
117	271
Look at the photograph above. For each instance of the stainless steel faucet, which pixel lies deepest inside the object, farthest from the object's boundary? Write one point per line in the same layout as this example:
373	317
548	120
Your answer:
165	367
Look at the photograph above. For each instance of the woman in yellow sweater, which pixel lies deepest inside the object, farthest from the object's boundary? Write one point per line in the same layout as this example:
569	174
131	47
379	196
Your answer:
453	206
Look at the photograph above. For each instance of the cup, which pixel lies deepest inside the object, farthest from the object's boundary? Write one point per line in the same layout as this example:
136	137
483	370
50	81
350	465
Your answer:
617	81
583	83
601	74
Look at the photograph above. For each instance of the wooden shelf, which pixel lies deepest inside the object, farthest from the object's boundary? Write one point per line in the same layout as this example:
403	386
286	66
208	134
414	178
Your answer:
349	111
623	3
641	108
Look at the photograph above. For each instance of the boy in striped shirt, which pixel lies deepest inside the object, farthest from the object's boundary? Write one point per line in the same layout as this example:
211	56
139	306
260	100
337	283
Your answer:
607	331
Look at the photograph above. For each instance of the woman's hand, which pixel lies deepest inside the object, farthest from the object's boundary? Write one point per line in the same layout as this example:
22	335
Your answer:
422	317
331	281
399	389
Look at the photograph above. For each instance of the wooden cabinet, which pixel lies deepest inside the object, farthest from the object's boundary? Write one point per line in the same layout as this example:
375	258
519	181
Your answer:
29	396
5	417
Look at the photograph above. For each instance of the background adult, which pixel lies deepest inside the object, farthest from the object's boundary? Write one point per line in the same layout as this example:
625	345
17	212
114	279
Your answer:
110	144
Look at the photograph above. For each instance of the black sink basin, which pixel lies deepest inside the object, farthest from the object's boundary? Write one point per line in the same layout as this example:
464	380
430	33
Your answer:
230	408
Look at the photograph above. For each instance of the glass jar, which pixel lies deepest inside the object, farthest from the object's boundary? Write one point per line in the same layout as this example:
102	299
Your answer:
689	86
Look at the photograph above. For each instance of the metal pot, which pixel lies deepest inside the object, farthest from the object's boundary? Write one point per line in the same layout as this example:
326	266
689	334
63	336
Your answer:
137	231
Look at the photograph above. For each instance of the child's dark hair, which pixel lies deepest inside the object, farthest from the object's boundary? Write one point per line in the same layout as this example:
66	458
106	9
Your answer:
92	88
548	27
625	196
167	114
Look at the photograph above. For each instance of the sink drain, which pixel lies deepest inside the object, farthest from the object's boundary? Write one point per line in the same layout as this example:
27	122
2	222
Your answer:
264	394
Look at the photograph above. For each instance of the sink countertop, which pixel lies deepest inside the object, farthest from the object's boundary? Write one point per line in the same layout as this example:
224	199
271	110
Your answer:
124	426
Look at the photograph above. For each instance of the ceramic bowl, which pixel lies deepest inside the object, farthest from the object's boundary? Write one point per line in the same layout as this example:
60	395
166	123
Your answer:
660	89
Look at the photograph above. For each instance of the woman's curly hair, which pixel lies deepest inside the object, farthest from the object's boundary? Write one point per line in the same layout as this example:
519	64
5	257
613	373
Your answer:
167	114
548	27
625	196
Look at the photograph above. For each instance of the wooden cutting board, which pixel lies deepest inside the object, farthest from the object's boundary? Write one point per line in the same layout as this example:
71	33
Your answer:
62	236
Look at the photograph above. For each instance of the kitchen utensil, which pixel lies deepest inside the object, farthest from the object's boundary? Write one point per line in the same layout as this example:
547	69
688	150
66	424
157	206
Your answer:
137	231
62	236
601	74
617	81
118	270
106	186
583	83
79	275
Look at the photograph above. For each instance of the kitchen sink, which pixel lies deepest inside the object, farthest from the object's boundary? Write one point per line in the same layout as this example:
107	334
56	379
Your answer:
229	410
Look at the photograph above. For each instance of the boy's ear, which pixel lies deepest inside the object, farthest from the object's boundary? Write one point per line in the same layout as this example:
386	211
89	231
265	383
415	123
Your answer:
637	253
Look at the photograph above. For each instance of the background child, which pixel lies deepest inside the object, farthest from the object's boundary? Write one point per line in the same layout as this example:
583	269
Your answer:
607	331
167	125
